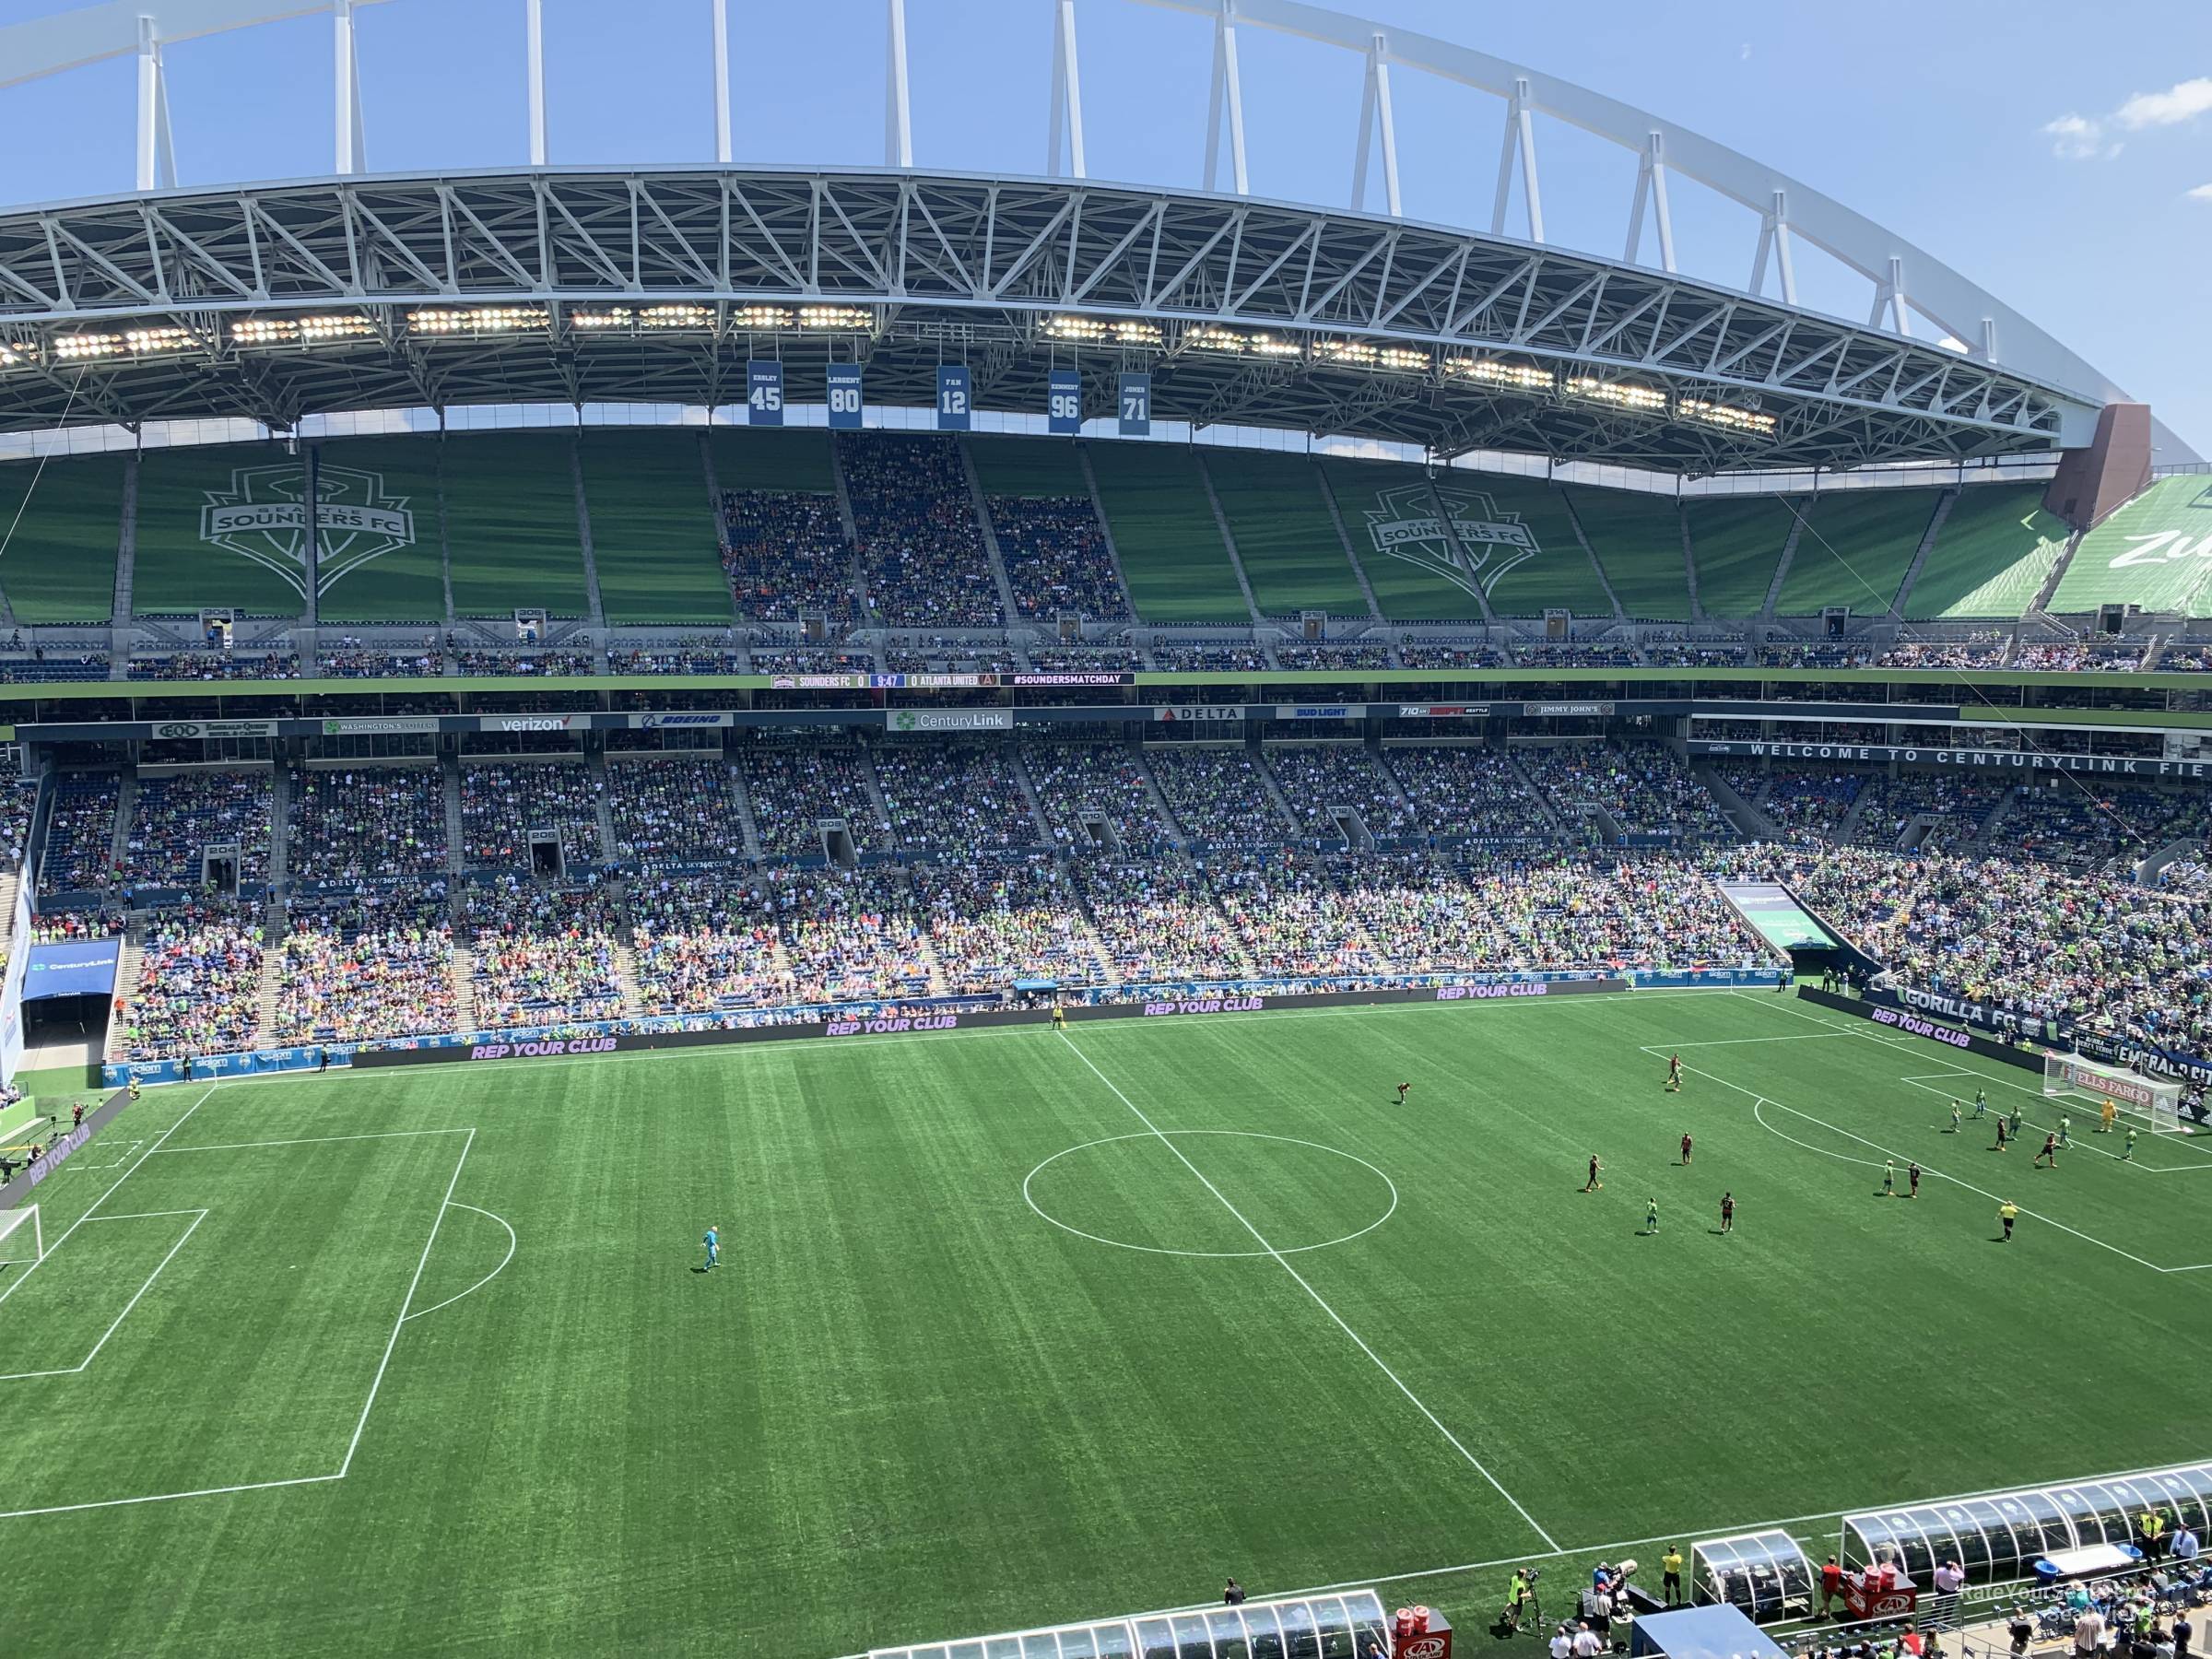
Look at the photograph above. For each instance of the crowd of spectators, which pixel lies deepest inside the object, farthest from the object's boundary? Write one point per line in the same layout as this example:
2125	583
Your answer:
79	848
1430	655
2186	656
1830	655
1055	556
1963	804
813	659
1619	910
1462	790
2083	824
514	664
786	556
1107	780
1806	805
198	989
673	809
2088	654
957	798
1290	918
993	922
921	548
353	659
704	942
543	954
372	965
686	656
1644	789
945	653
1157	921
1334	659
365	823
1685	653
1217	794
215	666
1317	778
1982	649
175	818
1096	659
503	803
794	787
1547	654
852	935
1209	659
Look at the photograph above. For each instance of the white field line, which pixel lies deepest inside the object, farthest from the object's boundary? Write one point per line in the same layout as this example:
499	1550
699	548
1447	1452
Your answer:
1734	1042
198	1217
315	1140
251	1486
1759	1099
1283	1262
21	1277
398	1324
121	1151
487	1280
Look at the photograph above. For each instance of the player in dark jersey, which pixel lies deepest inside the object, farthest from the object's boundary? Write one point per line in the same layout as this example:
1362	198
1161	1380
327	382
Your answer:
1686	1149
1727	1212
1594	1183
1674	1074
1404	1089
1913	1176
2050	1151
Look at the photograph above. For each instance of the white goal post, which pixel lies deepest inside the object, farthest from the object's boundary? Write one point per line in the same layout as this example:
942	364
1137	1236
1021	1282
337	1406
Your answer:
21	1241
2072	1075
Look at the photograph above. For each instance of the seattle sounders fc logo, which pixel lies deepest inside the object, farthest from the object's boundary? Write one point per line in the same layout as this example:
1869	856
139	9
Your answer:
1482	545
263	517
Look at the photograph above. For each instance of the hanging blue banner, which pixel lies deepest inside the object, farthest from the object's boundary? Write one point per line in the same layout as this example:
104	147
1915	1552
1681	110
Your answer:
764	393
844	396
1137	405
1063	403
952	397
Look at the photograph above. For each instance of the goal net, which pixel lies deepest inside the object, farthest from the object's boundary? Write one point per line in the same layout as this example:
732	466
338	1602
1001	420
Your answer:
2091	1082
21	1241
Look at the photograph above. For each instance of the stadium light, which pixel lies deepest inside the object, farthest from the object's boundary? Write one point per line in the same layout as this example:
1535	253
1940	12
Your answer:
482	319
760	317
1358	354
836	316
1725	416
1618	394
76	349
1212	337
1496	372
1118	331
290	331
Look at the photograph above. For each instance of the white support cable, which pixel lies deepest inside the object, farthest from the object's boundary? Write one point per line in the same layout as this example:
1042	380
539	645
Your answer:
724	149
534	19
1226	89
1375	110
1656	155
1524	129
156	149
1066	97
352	152
897	111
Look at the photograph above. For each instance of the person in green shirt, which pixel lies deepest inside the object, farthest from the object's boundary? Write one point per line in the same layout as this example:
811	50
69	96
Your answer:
2127	1152
1651	1215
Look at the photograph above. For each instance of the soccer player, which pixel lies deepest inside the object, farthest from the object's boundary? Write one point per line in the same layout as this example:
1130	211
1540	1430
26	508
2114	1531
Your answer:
2050	1151
1889	1179
2065	1130
2015	1123
2108	1113
1981	1102
1651	1215
713	1243
2127	1153
1684	1148
2009	1212
1954	1128
134	1090
1594	1183
1404	1089
1913	1179
1674	1074
1727	1212
2003	1134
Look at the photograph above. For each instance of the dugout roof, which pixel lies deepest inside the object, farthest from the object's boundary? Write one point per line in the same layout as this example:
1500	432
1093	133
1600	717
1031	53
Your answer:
1307	1627
2002	1534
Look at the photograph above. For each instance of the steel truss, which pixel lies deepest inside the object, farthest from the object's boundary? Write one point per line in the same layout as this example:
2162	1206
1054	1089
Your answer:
1244	310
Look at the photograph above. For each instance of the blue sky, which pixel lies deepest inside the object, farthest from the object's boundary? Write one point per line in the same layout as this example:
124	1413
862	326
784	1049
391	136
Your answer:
2049	157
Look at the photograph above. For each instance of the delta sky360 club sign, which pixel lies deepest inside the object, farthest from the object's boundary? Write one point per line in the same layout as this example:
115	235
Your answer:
1481	545
263	518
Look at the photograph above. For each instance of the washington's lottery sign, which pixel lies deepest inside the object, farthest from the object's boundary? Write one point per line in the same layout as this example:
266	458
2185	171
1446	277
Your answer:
263	518
1481	545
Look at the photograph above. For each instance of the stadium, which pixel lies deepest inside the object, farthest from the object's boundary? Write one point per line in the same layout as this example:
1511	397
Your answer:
1365	906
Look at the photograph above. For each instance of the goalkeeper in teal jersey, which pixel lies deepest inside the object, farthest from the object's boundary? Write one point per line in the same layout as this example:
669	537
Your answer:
713	1243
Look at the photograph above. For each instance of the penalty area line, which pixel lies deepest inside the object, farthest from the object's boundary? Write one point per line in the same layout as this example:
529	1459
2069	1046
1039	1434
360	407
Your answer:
1283	1262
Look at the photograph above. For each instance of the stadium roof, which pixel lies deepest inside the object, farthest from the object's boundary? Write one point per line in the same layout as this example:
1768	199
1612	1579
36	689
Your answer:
611	284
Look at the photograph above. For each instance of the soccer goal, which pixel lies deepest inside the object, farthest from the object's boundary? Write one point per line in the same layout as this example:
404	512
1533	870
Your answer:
21	1241
2070	1076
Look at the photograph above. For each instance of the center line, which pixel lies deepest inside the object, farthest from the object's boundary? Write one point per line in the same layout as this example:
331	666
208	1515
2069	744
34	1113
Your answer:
1474	1463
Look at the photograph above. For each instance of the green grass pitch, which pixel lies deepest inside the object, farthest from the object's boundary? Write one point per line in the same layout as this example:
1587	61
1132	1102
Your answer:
1014	1328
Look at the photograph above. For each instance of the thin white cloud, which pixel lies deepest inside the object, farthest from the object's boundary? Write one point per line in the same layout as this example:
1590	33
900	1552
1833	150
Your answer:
2079	138
1743	53
2203	193
2184	101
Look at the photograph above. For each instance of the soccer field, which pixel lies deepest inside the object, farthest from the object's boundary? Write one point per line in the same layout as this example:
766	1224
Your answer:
1013	1327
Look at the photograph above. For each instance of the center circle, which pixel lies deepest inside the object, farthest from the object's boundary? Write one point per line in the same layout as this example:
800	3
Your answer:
1293	1162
